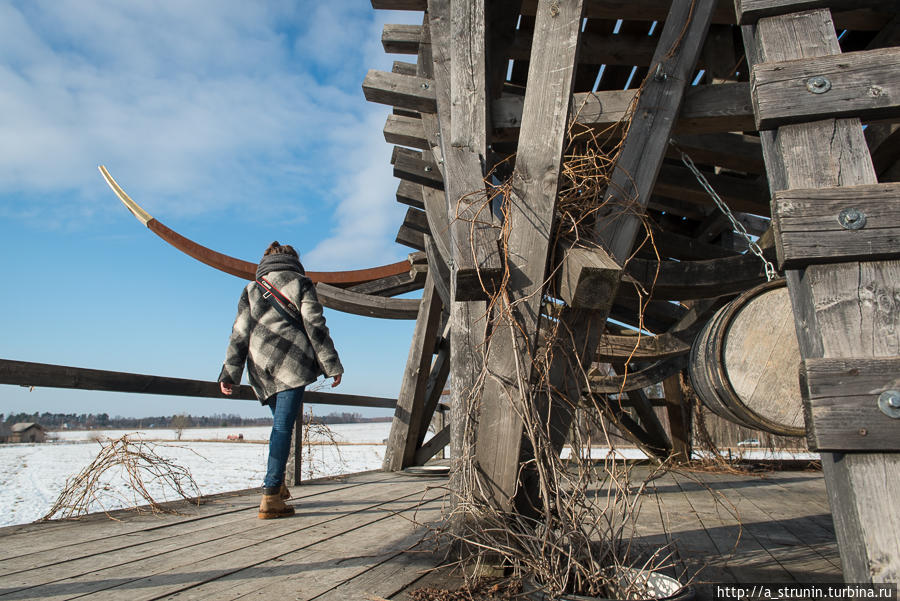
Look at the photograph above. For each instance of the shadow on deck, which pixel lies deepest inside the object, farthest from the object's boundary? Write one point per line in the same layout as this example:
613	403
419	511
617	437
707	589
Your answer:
356	537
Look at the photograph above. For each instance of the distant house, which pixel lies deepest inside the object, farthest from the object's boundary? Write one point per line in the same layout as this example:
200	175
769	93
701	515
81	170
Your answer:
4	432
28	432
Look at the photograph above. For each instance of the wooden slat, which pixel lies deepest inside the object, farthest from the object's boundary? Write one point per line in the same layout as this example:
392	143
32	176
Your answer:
418	171
588	278
366	304
406	131
834	319
809	231
707	109
530	216
394	284
678	410
842	413
740	194
439	270
410	193
636	380
434	446
750	11
404	91
863	84
408	417
688	280
734	151
404	68
401	39
25	373
640	348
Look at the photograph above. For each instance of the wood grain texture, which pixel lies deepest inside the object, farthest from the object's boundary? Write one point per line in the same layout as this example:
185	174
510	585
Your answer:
409	193
409	415
530	215
401	39
750	11
809	230
843	412
25	373
418	171
396	89
588	278
393	285
366	304
841	310
864	84
707	109
406	131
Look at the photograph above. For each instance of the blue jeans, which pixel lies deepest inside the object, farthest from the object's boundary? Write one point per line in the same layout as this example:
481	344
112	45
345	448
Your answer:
284	405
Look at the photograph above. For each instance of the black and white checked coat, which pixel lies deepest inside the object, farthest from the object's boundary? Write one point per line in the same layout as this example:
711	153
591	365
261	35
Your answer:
279	356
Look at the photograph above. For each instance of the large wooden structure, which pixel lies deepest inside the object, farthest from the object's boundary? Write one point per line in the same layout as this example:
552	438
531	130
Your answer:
738	133
768	100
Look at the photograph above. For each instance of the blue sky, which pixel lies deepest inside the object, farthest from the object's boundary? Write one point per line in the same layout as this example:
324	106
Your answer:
234	123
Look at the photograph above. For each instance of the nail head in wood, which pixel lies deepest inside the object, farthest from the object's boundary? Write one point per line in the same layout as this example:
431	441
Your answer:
818	84
852	219
889	403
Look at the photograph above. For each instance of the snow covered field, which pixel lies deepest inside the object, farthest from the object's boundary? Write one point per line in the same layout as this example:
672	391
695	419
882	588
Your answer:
32	475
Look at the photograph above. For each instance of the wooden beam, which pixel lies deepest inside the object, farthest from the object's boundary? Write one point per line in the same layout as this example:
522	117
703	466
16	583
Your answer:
419	171
403	68
393	285
408	417
848	407
739	194
437	378
40	375
401	39
834	308
396	89
738	152
863	84
433	446
826	225
530	216
632	181
406	131
707	109
636	380
367	305
640	348
587	278
750	11
410	193
440	271
679	413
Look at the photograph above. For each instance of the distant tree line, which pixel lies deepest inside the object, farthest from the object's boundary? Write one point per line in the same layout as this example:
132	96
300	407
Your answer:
93	421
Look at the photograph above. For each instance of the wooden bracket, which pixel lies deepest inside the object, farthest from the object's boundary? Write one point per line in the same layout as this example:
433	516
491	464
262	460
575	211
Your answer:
750	11
404	91
862	84
841	403
826	225
401	38
419	171
588	278
406	131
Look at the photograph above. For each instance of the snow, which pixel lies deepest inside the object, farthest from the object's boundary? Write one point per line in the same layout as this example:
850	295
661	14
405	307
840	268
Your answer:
33	475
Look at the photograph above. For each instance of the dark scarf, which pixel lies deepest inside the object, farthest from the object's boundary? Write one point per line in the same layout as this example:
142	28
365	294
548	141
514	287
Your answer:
279	263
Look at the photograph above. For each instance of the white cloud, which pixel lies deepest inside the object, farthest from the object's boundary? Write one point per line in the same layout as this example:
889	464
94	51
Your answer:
197	108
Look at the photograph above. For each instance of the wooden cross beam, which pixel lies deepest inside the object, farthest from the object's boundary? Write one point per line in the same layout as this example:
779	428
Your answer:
839	309
529	221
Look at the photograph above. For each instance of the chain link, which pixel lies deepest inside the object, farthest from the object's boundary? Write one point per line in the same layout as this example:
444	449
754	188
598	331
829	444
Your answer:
738	226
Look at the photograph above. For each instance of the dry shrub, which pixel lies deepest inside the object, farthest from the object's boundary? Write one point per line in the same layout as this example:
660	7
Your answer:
136	464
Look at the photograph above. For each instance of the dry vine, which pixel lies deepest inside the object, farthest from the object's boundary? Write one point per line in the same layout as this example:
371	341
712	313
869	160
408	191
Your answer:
138	465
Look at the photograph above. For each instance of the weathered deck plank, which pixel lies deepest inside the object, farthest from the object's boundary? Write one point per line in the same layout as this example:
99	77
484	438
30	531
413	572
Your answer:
349	539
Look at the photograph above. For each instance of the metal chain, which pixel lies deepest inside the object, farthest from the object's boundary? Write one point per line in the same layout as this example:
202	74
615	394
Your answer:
738	226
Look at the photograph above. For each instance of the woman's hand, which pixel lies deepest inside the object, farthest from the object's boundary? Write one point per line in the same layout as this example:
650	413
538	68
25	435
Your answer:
226	388
337	380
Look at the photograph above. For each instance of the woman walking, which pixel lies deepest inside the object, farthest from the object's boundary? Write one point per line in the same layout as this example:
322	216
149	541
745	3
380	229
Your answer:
280	334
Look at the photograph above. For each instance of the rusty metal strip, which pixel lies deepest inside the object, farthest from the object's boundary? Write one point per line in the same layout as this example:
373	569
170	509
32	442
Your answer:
237	267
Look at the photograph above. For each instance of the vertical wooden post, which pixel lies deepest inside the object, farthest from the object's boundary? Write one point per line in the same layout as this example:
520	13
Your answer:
630	186
834	313
408	417
679	419
298	447
532	205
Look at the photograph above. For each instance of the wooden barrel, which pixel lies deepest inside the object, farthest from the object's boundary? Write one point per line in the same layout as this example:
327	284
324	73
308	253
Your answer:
744	362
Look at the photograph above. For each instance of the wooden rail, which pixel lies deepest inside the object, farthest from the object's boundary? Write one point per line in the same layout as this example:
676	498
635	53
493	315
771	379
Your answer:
25	373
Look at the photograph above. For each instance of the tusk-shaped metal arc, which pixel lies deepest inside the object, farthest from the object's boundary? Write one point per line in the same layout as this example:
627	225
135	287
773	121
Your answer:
237	267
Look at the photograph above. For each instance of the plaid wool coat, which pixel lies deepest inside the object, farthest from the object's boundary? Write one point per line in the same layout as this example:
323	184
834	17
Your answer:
279	355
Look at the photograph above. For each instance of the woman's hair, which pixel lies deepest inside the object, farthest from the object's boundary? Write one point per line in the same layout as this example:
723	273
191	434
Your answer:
277	249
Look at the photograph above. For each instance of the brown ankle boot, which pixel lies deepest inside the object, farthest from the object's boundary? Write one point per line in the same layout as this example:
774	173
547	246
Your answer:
273	506
285	494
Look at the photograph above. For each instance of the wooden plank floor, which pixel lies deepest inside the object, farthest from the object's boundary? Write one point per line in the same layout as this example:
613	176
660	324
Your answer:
350	537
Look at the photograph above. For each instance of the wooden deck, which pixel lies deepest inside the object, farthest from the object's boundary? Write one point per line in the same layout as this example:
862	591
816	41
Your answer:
349	536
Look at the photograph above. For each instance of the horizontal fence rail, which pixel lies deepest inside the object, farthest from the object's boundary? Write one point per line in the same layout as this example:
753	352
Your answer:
25	373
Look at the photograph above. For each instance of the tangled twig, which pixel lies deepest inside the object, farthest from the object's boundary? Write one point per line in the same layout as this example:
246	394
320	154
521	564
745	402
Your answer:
138	466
